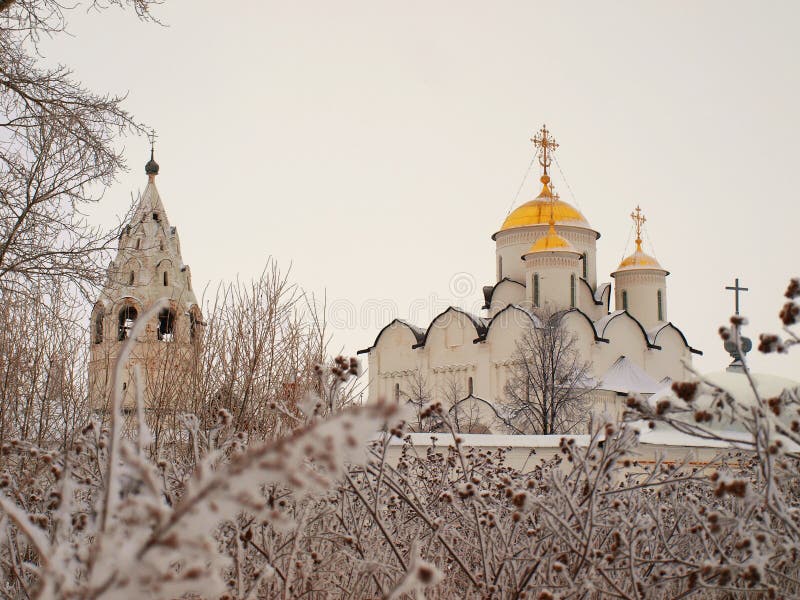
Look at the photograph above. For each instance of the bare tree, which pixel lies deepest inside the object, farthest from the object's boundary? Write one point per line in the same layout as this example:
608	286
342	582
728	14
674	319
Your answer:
58	153
417	394
549	386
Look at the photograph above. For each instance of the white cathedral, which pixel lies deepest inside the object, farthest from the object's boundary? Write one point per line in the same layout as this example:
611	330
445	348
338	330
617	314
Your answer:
546	255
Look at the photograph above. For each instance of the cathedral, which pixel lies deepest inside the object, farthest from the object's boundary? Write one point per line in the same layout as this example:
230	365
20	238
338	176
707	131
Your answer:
147	268
545	253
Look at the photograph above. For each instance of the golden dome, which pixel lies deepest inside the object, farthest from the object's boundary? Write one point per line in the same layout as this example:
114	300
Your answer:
538	211
552	242
639	260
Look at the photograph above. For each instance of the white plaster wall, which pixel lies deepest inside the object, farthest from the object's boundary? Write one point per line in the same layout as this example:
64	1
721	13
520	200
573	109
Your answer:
554	270
642	287
668	362
506	292
625	339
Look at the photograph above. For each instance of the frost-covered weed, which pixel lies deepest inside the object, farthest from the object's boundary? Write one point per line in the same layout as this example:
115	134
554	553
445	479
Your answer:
308	516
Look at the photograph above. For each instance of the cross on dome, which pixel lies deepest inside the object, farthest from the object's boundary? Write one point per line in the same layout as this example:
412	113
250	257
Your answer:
546	145
639	221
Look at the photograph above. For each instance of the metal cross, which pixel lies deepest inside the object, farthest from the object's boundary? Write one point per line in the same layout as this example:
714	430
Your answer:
152	137
736	288
547	143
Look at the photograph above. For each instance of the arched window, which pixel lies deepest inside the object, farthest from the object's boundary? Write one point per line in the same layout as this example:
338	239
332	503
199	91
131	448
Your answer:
130	278
127	317
585	265
536	289
397	392
572	290
166	325
194	321
660	307
166	279
98	326
469	386
624	300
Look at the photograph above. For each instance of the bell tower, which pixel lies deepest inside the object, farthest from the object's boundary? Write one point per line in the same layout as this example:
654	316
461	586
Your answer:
148	268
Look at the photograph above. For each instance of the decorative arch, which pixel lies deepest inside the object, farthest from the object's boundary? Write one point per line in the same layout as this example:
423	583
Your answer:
419	334
602	326
582	315
524	314
477	323
654	333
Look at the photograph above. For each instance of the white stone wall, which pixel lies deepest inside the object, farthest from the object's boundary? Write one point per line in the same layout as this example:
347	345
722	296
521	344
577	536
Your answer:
642	287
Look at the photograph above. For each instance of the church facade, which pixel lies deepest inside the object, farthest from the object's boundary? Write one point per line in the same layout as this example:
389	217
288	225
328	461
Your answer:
545	256
147	269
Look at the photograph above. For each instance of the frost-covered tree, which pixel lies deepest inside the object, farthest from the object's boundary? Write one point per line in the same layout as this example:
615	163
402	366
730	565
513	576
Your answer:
549	385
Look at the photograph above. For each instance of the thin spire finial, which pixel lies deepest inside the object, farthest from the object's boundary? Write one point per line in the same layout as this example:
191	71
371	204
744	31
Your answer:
639	221
151	168
152	137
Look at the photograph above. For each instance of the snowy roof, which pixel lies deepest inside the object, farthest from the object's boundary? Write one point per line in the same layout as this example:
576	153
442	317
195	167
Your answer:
625	376
601	289
601	323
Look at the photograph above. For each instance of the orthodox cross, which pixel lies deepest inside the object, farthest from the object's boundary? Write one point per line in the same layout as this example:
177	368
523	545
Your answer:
546	143
639	220
735	288
152	138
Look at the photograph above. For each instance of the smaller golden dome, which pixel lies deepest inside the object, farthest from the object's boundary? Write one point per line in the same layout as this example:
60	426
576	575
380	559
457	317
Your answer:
552	242
639	260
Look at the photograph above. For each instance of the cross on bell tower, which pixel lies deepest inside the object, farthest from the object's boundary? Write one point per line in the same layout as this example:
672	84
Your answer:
739	345
736	289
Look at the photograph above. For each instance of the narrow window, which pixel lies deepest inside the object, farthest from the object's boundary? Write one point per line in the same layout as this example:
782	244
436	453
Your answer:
192	325
660	307
536	289
469	386
166	279
130	278
127	317
585	266
397	392
161	245
156	217
499	268
98	327
572	290
624	300
166	325
124	385
138	243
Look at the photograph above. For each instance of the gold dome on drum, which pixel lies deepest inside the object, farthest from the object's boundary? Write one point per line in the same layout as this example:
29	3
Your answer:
539	210
639	260
551	242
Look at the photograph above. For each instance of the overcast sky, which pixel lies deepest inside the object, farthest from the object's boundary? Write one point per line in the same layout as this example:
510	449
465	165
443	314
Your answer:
376	146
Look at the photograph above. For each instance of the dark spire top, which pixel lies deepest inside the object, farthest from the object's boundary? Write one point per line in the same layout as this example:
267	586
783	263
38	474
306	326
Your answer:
151	168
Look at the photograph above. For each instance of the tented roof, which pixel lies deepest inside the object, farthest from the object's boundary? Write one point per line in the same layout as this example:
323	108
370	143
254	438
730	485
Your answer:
625	377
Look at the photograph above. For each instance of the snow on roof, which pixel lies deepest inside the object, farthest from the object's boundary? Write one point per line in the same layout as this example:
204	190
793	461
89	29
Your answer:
601	323
625	377
601	289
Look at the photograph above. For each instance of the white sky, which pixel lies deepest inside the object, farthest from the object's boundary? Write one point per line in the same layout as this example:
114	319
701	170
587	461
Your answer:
376	146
